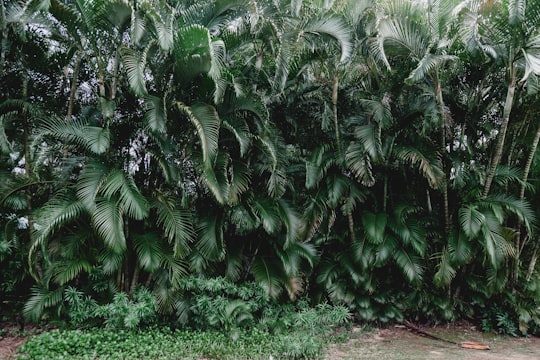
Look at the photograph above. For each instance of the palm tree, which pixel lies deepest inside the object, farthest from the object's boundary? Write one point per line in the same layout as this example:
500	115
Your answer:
506	32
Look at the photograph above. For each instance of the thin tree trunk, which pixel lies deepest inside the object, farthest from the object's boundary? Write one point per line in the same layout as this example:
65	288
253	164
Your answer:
446	205
502	134
74	85
519	243
335	88
4	40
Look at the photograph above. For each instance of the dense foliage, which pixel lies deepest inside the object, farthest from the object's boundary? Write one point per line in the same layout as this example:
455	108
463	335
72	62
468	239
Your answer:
374	154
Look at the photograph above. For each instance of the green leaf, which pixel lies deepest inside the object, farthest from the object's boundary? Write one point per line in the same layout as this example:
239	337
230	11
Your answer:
269	275
109	223
207	123
471	220
375	226
149	252
177	224
409	264
135	65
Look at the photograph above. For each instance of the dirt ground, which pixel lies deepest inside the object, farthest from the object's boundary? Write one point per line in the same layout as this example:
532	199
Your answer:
401	343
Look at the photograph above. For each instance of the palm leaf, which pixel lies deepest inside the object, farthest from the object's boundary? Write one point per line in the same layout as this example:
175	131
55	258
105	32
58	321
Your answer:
516	11
109	223
426	65
207	122
360	163
471	220
111	261
138	26
370	138
56	213
67	270
445	271
409	264
210	242
155	115
238	127
459	248
292	221
375	226
91	138
431	168
40	299
149	252
336	28
268	213
135	65
177	224
240	179
318	165
121	184
269	274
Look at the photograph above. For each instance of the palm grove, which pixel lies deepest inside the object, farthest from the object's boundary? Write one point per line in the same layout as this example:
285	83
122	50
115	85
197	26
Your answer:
375	154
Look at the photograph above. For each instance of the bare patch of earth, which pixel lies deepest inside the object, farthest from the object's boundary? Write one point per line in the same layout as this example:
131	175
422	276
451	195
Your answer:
399	343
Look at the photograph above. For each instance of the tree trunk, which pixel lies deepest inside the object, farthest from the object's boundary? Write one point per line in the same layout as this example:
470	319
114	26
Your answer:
4	40
440	103
519	244
502	134
335	88
73	87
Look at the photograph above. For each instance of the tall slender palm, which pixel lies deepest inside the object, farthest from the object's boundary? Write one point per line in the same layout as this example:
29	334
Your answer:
505	31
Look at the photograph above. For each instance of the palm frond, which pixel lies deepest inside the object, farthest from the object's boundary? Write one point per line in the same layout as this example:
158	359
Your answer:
426	65
317	166
516	11
445	271
459	248
240	180
269	274
336	28
210	242
56	213
268	213
409	264
519	207
176	268
360	163
109	223
155	115
370	138
292	221
149	252
375	226
67	270
207	123
91	138
138	26
40	299
135	65
238	127
431	168
111	261
118	183
471	220
337	188
177	224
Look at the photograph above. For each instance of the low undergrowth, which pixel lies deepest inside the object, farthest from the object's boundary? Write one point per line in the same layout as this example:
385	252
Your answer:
163	343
